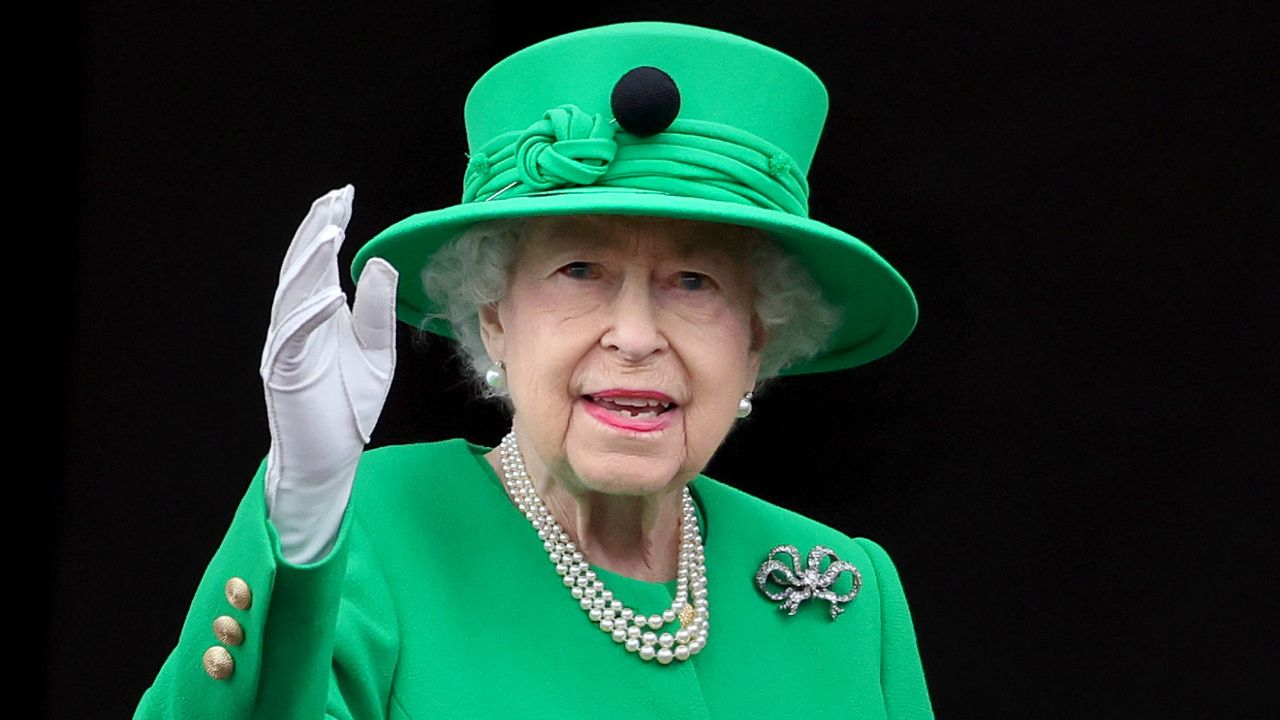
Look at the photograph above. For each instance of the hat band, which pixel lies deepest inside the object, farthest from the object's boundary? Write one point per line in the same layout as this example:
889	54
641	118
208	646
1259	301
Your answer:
693	158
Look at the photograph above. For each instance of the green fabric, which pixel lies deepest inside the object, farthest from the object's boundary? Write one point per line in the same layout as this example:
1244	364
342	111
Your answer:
569	146
721	77
437	601
542	140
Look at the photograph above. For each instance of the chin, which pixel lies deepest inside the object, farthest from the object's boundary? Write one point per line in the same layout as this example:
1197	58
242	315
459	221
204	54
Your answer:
622	475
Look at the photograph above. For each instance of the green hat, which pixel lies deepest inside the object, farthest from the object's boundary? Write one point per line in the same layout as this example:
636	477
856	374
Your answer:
665	119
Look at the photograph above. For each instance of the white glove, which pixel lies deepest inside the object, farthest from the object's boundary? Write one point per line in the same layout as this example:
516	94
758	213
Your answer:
326	371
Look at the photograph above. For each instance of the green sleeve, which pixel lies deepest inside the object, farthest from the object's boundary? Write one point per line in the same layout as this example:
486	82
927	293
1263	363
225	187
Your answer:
906	696
319	639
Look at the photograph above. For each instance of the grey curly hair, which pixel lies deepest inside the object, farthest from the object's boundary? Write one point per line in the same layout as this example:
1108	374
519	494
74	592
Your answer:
473	269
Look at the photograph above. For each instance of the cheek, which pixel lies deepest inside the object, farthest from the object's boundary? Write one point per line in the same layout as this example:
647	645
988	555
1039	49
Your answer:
708	423
546	357
544	377
570	299
718	366
721	348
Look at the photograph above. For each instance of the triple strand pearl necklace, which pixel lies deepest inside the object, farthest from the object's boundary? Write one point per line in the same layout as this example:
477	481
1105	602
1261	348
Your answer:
629	628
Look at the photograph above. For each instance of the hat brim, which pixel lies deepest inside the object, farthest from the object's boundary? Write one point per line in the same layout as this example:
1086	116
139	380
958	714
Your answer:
878	307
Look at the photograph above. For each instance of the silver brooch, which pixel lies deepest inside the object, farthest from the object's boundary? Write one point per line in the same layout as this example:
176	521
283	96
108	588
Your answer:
799	584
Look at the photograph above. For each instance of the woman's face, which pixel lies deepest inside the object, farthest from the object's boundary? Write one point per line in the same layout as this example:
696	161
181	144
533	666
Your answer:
634	305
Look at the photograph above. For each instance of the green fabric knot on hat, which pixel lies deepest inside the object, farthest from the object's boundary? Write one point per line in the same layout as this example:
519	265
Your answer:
566	147
779	164
478	164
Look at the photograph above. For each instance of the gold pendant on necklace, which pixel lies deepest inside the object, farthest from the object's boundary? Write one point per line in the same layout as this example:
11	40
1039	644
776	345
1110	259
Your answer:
687	615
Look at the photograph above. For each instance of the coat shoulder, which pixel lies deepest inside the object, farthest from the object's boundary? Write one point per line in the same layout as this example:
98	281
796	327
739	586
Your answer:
442	479
419	466
749	521
411	458
754	514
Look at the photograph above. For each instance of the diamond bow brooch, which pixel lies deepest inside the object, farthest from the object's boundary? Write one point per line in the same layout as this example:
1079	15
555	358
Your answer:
799	584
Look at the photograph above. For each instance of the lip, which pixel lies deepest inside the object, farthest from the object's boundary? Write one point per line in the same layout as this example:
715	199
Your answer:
636	425
625	392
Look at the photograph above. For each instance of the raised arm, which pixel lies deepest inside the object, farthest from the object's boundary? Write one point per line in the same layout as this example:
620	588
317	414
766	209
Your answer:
288	620
325	374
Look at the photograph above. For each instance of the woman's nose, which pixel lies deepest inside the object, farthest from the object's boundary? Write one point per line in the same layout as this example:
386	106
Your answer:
633	330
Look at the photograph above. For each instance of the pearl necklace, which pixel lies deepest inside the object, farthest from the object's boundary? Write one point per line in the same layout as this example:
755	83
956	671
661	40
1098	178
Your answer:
629	628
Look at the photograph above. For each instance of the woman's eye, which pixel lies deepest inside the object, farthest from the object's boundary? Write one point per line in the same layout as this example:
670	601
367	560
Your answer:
693	281
580	270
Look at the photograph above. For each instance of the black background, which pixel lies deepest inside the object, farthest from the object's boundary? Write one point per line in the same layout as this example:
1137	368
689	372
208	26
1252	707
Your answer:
1072	460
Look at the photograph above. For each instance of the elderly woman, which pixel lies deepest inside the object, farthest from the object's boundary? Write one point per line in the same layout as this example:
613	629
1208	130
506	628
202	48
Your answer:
626	270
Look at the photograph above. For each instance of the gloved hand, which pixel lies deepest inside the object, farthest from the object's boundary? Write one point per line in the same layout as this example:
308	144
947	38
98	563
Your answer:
326	371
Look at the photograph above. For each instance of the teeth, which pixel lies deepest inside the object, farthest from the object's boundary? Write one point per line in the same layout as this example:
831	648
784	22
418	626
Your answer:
633	402
637	402
629	414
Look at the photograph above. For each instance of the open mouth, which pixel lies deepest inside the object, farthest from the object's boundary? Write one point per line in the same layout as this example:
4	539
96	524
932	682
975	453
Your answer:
632	408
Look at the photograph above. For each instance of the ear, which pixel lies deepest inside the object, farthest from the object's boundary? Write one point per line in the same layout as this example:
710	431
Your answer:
491	331
759	338
754	371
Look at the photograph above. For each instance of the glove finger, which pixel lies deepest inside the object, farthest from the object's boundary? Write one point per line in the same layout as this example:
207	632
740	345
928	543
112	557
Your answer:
332	208
373	313
315	269
285	365
300	296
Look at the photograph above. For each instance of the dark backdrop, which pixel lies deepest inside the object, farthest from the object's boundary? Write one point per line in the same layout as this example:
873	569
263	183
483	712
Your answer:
1072	460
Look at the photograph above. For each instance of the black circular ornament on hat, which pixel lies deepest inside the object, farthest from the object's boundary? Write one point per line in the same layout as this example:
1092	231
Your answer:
645	101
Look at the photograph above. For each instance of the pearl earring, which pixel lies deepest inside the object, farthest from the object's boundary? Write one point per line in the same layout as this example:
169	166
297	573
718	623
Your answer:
496	376
744	406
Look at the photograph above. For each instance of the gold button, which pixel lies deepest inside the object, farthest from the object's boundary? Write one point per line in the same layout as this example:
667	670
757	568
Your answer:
218	663
238	594
227	630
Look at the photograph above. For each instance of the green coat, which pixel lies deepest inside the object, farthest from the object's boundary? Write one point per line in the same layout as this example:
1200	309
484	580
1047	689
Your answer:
438	601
